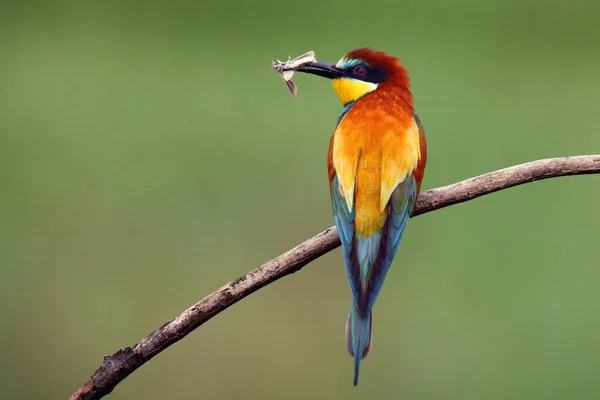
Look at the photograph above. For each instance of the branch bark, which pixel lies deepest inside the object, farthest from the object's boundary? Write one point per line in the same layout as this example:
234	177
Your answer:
119	365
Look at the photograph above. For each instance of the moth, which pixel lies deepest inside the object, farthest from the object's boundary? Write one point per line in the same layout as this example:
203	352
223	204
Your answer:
287	68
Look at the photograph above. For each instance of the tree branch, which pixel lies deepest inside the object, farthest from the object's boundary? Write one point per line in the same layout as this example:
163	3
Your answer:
119	365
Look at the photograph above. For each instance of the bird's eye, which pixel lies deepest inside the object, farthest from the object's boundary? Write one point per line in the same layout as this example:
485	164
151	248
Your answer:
360	70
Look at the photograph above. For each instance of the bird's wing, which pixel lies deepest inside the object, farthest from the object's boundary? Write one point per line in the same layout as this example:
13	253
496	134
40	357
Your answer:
399	190
399	209
420	170
344	221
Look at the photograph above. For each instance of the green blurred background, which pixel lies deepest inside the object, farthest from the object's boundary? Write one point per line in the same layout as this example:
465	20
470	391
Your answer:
148	155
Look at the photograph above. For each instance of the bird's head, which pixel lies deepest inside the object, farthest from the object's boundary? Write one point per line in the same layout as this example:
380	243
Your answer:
361	72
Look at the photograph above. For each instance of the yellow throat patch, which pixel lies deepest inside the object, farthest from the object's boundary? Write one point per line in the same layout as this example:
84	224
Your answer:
349	90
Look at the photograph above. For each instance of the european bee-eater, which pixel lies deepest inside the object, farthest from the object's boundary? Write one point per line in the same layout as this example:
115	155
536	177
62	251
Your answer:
376	161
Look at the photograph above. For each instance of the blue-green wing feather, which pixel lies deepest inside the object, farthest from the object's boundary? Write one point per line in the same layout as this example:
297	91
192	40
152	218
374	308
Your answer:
399	209
344	221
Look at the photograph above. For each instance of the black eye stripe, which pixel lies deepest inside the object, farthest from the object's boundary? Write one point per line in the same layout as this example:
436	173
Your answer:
366	73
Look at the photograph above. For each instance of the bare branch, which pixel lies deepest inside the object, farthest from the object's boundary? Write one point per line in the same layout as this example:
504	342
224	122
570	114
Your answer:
119	365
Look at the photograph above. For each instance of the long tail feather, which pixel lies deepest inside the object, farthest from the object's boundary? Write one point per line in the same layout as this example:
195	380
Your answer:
359	330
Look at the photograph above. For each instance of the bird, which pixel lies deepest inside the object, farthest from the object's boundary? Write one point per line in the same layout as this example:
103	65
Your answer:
376	162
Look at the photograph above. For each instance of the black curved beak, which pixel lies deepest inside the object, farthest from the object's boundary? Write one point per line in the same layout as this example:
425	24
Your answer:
323	69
